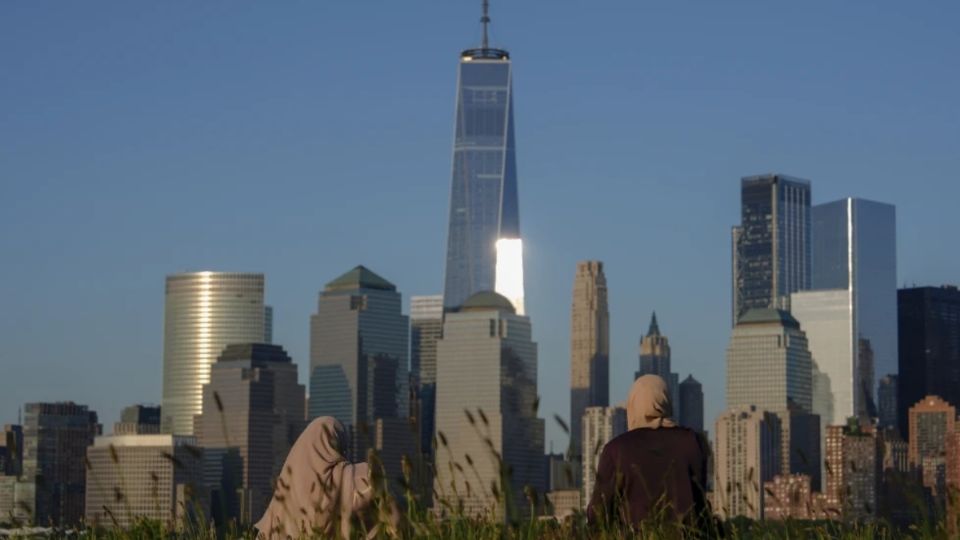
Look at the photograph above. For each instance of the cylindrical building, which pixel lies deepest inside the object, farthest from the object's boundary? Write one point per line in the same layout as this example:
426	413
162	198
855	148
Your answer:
204	312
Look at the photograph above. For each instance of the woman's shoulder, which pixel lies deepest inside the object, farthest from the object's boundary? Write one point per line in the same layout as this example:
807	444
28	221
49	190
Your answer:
676	433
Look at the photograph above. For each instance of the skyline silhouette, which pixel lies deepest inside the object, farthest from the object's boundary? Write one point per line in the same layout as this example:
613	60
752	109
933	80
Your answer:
301	141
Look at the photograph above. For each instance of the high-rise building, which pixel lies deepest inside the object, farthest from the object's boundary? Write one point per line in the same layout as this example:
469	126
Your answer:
253	412
140	476
484	251
11	484
487	420
853	470
691	404
952	482
11	450
600	426
589	346
55	441
771	246
850	315
931	423
769	366
203	313
426	327
359	355
747	454
929	341
887	401
138	420
655	360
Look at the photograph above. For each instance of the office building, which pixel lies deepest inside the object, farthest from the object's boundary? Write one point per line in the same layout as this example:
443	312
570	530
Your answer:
484	251
769	366
691	404
655	360
853	470
359	355
600	426
746	455
887	402
486	407
11	450
55	441
253	410
850	315
143	476
928	333
138	420
589	346
952	481
203	313
932	421
771	246
426	327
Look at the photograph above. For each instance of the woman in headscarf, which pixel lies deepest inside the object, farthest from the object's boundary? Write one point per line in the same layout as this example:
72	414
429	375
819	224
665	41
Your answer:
656	470
318	492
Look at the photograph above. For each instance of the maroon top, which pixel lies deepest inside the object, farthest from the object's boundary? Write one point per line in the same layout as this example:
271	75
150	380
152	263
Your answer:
646	470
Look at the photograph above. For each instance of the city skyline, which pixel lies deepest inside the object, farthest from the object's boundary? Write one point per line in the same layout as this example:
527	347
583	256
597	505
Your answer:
111	261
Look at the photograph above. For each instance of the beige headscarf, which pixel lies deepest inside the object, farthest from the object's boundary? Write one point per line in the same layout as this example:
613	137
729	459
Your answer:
317	491
649	404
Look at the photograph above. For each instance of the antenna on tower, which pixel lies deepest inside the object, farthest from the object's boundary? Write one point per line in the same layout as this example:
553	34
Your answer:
485	20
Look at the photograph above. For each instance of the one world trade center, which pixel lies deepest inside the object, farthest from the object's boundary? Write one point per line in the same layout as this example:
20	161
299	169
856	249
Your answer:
484	250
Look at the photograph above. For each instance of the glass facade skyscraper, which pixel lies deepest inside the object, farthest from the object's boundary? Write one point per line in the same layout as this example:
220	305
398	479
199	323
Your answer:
771	246
928	330
203	313
850	315
483	195
359	354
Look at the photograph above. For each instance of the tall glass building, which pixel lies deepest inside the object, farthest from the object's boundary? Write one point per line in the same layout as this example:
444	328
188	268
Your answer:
850	316
483	197
359	346
929	343
771	246
203	313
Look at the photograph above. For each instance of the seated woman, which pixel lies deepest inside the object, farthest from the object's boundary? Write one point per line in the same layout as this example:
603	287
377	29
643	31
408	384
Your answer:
318	492
656	470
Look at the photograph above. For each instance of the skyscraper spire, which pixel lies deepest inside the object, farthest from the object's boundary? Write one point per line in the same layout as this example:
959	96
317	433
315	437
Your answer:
485	20
654	327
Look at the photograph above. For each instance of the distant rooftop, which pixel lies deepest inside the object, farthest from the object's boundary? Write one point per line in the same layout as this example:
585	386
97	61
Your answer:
487	301
360	277
258	353
767	316
484	54
773	178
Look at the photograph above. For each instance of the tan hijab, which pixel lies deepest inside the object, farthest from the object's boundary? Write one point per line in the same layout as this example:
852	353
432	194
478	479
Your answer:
318	490
649	404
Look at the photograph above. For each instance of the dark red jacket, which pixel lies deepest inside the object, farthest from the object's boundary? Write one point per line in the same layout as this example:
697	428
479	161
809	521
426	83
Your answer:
648	471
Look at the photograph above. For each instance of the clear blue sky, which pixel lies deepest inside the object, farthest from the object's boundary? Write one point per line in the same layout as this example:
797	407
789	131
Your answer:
302	138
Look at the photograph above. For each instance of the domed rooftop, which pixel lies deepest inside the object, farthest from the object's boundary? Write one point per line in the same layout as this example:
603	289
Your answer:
487	301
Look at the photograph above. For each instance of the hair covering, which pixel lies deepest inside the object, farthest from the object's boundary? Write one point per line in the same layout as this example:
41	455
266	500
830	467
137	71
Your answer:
318	490
649	404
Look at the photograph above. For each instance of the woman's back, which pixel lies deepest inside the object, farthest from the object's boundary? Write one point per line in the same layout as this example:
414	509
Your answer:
645	471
